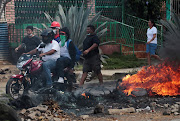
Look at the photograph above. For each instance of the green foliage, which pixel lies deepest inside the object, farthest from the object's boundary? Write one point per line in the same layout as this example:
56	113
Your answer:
146	9
118	61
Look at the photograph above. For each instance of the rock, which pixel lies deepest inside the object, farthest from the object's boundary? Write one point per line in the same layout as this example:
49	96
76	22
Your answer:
50	118
121	111
99	109
178	103
57	119
84	116
139	110
174	110
42	108
139	92
167	112
34	114
176	113
48	112
175	120
38	113
166	105
23	111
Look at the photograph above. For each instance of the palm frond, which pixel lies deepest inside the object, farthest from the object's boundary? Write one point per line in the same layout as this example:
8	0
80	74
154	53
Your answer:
49	18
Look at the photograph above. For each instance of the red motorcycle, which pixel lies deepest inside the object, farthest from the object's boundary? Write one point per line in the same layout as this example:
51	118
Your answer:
30	77
30	70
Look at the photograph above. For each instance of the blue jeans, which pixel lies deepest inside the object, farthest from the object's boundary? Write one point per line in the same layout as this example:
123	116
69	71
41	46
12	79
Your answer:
151	48
47	67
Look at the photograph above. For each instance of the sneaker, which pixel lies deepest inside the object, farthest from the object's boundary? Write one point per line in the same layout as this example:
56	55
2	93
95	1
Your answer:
60	80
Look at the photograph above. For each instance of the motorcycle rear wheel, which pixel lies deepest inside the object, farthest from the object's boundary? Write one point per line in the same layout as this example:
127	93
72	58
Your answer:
14	88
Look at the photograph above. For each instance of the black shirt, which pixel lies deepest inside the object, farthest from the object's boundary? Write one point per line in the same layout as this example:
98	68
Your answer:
88	42
31	43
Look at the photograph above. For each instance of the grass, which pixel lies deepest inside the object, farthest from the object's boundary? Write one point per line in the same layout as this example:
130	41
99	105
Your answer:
118	61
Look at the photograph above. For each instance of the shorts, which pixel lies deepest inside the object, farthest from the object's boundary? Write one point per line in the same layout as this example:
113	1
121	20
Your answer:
151	48
92	64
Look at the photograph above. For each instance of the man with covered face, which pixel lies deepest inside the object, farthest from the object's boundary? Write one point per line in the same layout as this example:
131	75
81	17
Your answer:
68	54
50	52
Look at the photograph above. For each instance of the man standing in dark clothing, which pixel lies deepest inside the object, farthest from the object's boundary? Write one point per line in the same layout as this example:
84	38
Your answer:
30	41
91	55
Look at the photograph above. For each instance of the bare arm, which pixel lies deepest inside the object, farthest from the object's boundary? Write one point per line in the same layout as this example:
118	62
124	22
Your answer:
17	48
91	48
32	52
154	36
48	53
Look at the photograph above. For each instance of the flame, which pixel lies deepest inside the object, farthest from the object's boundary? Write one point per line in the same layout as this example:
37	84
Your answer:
85	95
163	79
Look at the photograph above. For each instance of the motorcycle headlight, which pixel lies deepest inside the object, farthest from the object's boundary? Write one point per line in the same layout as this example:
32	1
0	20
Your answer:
20	65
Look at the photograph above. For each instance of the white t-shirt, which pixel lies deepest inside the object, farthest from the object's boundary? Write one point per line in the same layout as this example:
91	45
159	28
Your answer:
64	50
150	33
53	45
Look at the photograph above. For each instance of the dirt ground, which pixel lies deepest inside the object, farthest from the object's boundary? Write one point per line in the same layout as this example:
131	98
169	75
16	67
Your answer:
141	116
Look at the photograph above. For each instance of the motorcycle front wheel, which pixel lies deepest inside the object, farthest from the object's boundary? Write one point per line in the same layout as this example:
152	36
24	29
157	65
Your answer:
14	88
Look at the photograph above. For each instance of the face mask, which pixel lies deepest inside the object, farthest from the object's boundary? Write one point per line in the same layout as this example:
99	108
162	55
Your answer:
54	30
88	34
30	35
63	40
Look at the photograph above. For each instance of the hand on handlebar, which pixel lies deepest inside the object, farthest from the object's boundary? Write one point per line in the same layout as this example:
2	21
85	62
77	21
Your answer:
42	55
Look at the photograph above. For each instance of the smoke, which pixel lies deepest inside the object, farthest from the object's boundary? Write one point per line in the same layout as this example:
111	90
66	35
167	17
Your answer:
171	45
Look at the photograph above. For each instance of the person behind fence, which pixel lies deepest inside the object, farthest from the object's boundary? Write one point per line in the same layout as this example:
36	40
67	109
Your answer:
68	54
31	41
50	54
91	55
56	27
151	44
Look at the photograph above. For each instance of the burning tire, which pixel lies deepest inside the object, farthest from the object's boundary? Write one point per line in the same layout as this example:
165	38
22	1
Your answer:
14	88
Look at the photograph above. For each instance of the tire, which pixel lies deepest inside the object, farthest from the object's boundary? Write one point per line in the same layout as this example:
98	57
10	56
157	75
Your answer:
13	88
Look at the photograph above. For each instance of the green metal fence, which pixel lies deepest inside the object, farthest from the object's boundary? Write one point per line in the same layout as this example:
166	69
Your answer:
118	32
110	8
140	29
31	11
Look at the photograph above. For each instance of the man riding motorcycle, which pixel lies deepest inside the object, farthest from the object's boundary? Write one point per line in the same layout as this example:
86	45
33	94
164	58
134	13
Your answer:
50	53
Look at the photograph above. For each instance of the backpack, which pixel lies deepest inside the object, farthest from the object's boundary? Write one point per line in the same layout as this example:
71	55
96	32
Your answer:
78	52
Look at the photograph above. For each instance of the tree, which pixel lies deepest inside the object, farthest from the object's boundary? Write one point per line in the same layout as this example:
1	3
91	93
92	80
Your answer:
146	9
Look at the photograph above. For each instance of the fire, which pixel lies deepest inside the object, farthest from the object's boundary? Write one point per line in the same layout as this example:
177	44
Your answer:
163	79
85	95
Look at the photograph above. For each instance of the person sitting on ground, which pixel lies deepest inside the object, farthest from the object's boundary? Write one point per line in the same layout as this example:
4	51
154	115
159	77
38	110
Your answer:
56	27
68	54
50	54
31	41
91	54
